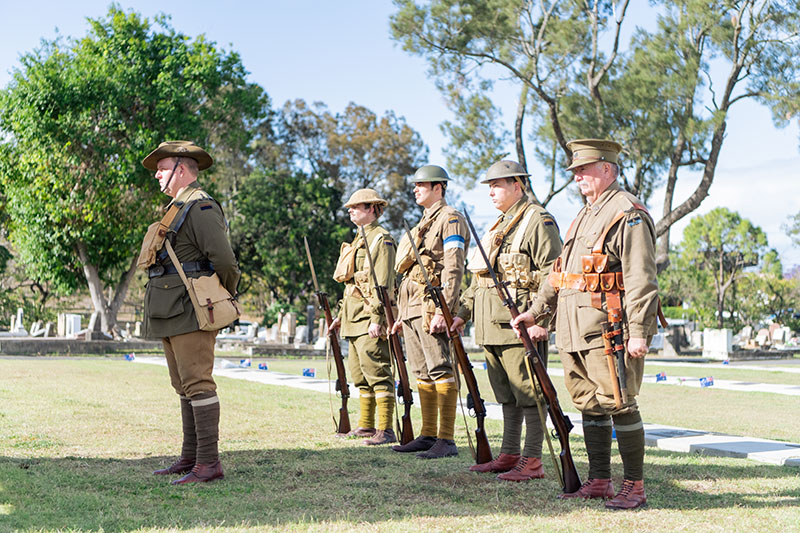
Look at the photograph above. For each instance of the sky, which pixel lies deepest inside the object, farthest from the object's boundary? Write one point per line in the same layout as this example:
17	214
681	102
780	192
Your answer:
341	52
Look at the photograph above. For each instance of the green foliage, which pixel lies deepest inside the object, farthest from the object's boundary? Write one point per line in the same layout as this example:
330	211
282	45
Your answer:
792	228
79	116
277	209
721	244
356	149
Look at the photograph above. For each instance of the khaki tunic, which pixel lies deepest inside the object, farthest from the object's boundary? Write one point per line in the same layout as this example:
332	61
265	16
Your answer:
168	311
167	308
630	245
368	358
504	352
443	249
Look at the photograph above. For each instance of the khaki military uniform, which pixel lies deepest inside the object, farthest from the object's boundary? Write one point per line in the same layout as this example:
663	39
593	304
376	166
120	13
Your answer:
630	246
168	311
444	239
523	258
368	359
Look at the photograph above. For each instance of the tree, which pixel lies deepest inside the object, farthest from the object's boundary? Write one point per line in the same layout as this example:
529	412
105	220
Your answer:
78	117
664	97
356	149
768	294
792	228
277	209
722	244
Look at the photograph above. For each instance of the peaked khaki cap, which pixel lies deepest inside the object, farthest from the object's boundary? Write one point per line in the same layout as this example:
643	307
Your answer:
365	196
504	169
585	151
178	149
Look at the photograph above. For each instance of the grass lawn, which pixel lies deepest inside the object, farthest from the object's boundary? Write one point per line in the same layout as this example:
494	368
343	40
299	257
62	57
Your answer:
753	414
79	438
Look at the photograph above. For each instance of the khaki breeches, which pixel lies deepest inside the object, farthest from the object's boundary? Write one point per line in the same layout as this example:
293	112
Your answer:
590	385
509	376
190	359
428	355
369	363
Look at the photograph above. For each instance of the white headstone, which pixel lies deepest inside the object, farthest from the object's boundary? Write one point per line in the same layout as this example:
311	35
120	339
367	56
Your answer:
72	324
61	329
696	341
717	343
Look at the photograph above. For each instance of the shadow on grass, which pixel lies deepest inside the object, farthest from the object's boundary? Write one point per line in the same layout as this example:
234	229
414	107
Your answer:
355	485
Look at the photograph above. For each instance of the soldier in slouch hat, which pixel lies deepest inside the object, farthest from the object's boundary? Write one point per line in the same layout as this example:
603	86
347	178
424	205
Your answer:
195	227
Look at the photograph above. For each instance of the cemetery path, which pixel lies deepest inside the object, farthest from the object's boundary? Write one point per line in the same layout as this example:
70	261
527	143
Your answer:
668	438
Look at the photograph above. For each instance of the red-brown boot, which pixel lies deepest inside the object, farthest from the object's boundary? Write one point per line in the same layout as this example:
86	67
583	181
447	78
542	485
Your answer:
592	488
630	496
502	463
202	474
527	468
181	466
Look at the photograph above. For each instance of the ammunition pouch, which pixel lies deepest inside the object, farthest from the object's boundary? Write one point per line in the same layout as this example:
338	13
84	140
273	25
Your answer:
155	237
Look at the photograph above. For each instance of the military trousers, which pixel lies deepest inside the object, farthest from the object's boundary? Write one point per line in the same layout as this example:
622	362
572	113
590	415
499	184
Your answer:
369	362
590	384
190	359
508	374
428	355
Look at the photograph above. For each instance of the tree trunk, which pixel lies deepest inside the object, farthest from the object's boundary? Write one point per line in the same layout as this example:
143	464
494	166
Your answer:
107	311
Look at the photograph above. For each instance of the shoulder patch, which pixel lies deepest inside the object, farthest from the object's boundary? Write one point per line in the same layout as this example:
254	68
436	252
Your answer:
389	242
634	221
549	222
207	206
453	220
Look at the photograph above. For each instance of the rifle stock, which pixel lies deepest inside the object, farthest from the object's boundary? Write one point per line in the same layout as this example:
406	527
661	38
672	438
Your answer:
406	430
343	426
563	425
483	452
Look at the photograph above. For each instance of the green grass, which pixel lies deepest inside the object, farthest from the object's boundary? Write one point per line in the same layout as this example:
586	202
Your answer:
753	414
78	440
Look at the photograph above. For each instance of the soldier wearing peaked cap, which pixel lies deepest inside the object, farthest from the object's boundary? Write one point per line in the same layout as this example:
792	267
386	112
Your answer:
442	237
195	227
607	268
361	318
523	244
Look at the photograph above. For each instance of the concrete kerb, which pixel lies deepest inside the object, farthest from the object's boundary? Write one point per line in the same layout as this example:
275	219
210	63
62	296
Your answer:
667	438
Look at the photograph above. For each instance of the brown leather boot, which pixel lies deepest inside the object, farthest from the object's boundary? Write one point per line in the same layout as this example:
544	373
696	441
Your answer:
526	469
420	444
181	466
592	488
202	474
441	448
382	436
361	433
502	463
630	496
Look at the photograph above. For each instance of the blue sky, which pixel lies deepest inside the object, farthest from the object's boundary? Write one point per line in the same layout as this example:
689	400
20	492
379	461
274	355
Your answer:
338	52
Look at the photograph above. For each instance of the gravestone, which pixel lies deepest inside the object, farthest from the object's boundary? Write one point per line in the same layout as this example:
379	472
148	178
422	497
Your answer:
309	336
696	342
72	324
717	343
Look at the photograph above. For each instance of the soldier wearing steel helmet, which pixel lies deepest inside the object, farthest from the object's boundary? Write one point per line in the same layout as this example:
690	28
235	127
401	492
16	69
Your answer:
611	240
362	320
197	232
522	245
442	237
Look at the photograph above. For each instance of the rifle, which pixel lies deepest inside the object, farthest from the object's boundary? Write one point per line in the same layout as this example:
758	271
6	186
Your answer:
407	431
615	350
483	452
570	481
341	380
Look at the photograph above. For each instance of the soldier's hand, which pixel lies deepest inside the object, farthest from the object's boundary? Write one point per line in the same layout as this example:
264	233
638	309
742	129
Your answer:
334	325
438	325
458	325
375	330
523	320
397	328
537	333
637	347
